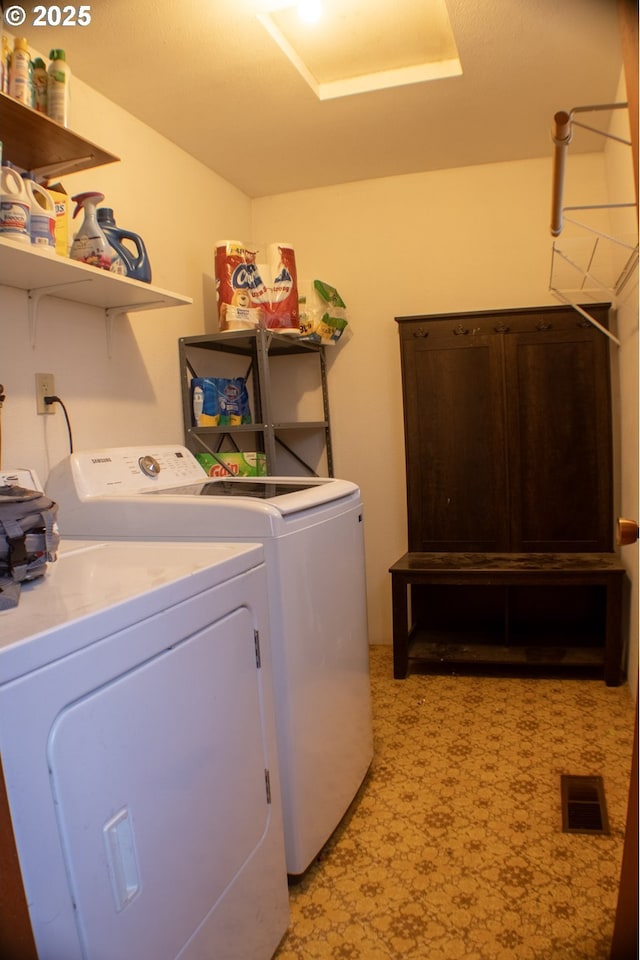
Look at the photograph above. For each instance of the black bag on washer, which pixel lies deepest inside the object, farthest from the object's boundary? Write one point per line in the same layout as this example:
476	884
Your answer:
29	539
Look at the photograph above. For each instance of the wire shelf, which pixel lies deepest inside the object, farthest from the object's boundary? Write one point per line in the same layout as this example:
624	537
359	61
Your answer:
597	255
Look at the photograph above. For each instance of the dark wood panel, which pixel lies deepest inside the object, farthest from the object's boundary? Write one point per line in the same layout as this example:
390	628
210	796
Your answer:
560	441
508	430
625	934
456	484
16	937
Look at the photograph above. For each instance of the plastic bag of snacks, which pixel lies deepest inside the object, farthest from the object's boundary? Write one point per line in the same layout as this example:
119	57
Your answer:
322	314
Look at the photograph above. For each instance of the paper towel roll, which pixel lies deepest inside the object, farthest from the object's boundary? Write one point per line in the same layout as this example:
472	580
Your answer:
254	293
282	312
240	290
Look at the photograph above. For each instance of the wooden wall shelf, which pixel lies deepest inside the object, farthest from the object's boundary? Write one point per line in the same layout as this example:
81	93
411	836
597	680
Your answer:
34	142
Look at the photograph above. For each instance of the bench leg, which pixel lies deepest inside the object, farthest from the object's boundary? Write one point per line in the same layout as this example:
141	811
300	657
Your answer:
400	627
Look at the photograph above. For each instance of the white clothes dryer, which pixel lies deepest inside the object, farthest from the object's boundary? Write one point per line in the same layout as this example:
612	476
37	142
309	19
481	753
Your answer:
313	534
137	738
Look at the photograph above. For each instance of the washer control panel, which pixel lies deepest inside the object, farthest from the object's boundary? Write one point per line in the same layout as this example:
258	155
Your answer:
130	470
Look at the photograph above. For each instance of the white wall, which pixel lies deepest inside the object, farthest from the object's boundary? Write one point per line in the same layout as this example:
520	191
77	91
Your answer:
180	208
455	240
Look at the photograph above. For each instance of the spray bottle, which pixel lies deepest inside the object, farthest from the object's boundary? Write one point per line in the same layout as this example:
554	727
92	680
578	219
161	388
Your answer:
21	72
90	245
58	77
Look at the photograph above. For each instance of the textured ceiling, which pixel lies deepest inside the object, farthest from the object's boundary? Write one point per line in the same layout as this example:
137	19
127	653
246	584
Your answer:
209	77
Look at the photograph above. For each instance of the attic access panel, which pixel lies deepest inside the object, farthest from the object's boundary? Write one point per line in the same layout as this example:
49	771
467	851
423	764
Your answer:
362	46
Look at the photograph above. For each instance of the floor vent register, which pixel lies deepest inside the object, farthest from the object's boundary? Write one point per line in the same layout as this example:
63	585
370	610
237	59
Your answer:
584	808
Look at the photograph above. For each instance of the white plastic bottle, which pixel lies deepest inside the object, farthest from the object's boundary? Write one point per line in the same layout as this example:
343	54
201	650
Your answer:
40	83
15	207
43	215
58	87
6	57
21	73
4	66
198	404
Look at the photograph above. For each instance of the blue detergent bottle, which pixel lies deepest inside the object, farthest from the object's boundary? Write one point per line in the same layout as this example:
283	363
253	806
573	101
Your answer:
136	260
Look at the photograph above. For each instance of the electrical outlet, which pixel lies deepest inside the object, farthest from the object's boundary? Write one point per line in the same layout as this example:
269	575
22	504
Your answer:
45	387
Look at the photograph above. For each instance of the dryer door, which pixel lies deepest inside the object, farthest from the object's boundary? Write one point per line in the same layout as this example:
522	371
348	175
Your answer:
159	780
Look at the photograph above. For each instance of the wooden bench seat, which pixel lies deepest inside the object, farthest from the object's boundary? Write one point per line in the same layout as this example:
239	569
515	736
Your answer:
442	582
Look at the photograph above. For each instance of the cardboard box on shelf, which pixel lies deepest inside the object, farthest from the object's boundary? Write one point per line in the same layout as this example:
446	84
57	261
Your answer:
62	202
246	464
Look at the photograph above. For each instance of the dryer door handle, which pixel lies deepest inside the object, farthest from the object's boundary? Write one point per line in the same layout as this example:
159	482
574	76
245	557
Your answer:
122	859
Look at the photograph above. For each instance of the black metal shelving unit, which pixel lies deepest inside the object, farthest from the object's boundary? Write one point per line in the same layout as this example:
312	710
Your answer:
269	435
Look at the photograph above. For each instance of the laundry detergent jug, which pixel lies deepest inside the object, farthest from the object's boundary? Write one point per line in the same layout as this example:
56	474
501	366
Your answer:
15	207
90	244
136	260
43	215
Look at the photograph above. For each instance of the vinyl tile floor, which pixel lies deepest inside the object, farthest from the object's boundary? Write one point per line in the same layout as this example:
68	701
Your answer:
453	848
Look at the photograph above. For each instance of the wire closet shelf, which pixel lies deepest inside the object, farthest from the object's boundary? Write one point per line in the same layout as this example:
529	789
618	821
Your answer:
598	255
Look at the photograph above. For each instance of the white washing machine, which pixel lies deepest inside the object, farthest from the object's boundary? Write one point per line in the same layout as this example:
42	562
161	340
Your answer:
137	738
312	532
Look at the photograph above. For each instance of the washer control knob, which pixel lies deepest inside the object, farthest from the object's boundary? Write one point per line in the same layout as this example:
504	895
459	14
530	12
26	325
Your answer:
149	466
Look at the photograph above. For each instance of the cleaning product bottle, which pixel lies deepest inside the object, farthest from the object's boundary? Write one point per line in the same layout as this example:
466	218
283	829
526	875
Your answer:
4	63
136	262
198	404
21	73
6	60
59	76
15	207
90	245
40	81
43	214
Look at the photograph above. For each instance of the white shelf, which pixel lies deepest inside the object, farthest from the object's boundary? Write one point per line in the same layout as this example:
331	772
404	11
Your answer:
36	142
43	273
